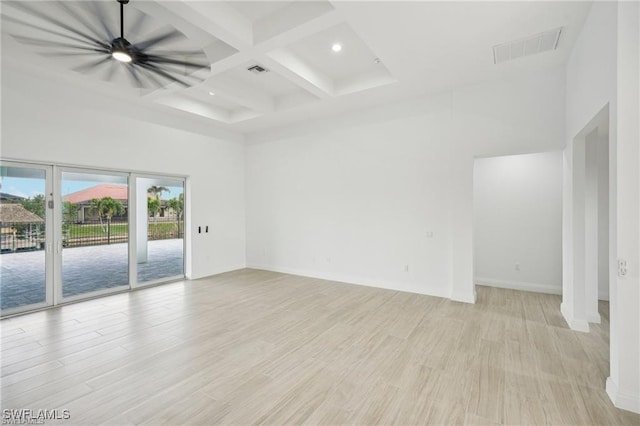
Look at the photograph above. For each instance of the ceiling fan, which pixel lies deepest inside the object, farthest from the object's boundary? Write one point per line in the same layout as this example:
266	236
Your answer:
142	61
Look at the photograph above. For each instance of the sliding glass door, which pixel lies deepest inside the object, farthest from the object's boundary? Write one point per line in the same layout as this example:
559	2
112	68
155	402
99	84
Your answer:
94	233
71	233
25	237
159	229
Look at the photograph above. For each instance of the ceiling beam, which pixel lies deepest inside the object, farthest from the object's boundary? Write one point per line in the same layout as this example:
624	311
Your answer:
239	93
298	72
216	18
299	32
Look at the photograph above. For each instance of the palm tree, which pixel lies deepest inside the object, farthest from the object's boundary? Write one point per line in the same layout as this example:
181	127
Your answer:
153	206
177	205
156	191
107	207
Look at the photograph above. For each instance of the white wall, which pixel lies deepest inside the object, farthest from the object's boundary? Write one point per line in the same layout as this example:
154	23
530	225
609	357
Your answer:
603	217
357	198
356	204
591	87
623	384
602	75
47	121
591	92
517	210
591	69
515	116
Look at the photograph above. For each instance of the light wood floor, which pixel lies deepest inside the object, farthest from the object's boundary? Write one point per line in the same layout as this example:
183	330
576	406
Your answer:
253	347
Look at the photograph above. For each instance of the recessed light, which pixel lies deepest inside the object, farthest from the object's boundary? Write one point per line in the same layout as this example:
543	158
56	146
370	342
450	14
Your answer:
336	47
211	93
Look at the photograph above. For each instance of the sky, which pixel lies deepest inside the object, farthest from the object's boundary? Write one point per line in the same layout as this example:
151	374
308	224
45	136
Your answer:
26	187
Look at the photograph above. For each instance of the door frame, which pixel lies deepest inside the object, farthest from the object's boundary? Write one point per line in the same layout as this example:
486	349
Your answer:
58	236
49	238
133	231
53	223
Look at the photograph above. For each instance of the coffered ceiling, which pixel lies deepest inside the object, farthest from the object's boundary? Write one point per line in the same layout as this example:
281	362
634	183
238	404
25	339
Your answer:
389	51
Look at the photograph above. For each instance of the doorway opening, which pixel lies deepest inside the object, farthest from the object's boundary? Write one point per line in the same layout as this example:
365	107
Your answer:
587	225
517	226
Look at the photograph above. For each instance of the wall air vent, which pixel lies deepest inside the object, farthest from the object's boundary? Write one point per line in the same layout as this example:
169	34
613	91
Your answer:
257	69
528	46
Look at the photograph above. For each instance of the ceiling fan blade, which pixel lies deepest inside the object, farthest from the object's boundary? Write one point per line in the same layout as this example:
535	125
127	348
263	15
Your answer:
70	54
81	19
57	33
92	65
151	76
133	74
98	12
49	43
139	25
113	66
170	53
164	74
25	7
171	35
186	64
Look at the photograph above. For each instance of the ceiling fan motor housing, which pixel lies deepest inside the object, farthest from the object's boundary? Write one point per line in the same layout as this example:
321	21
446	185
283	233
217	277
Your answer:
122	45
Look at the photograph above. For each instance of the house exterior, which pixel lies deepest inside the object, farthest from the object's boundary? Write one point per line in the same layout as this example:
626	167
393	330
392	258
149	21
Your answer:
4	196
20	229
83	198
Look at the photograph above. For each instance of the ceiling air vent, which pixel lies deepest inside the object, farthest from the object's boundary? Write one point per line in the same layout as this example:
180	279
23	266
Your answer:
528	46
257	69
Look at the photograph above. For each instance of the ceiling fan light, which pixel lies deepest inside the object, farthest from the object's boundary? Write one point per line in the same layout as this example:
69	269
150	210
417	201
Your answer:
122	56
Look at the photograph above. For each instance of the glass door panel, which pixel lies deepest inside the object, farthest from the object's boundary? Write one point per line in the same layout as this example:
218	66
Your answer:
24	236
94	233
65	233
160	229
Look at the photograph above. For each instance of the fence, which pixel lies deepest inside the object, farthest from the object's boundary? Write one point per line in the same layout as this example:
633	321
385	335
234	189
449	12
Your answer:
94	232
31	236
20	236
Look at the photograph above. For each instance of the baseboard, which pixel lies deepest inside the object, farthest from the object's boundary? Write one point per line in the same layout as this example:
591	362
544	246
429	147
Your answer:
533	287
366	282
594	318
620	400
217	271
464	297
519	285
574	324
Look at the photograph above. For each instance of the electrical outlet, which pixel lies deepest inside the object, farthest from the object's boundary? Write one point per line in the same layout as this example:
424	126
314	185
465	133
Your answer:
623	269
